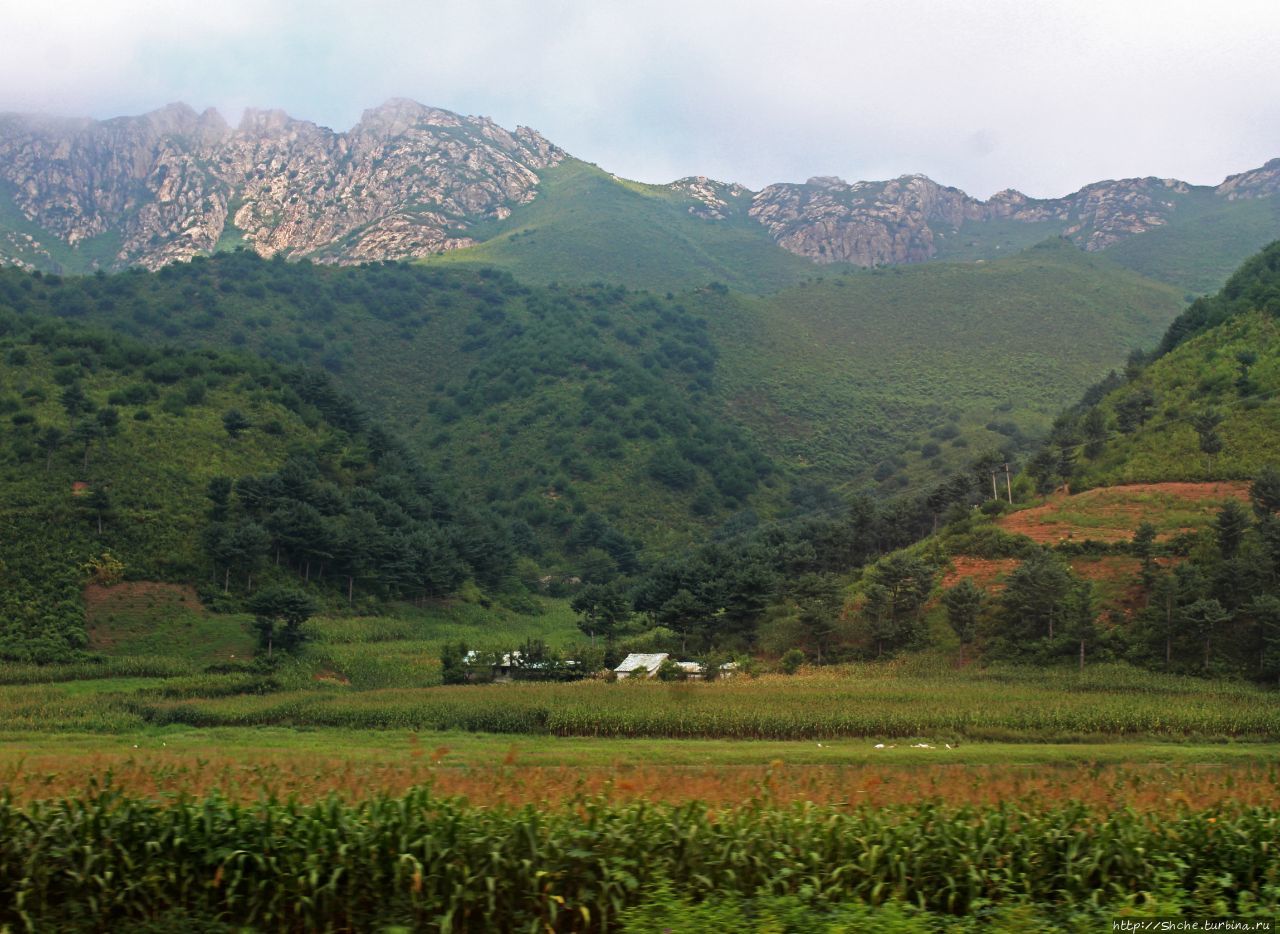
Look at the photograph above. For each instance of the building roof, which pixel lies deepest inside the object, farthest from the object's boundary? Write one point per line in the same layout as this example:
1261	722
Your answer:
640	661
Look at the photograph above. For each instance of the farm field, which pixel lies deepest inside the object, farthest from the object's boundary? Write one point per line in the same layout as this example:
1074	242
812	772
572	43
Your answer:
774	803
867	700
425	861
248	764
348	790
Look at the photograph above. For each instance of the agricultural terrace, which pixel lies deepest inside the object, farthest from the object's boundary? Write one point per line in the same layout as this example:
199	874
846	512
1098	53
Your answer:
1110	514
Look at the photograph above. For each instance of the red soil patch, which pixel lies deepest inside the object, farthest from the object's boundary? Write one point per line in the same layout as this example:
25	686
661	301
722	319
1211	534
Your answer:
984	571
1041	523
129	600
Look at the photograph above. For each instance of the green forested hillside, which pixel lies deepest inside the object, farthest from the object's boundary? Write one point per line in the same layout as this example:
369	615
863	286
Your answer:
1203	406
903	374
1161	544
595	414
585	413
589	226
118	459
1163	424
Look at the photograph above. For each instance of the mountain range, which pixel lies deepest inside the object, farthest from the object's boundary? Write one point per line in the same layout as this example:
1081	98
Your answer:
410	181
498	370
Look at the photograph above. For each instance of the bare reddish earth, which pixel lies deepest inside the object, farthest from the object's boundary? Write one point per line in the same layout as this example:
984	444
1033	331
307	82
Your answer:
983	571
1041	523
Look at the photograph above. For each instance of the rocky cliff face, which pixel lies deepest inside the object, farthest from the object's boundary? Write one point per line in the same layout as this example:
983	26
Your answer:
864	223
887	223
410	180
1256	183
406	181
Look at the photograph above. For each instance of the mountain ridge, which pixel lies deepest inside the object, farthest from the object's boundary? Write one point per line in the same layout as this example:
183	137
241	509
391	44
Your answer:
405	181
408	181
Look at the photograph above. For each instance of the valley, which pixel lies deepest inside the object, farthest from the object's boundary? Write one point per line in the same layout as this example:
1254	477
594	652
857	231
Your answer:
340	471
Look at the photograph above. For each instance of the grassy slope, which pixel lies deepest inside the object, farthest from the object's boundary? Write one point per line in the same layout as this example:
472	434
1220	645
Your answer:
1198	375
839	374
156	470
586	225
1206	239
399	649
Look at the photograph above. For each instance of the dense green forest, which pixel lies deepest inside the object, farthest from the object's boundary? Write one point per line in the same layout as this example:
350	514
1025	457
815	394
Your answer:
554	405
119	459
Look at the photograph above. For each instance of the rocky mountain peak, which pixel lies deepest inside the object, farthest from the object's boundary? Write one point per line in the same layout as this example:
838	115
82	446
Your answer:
406	181
257	122
410	180
399	114
1256	183
713	200
826	181
899	221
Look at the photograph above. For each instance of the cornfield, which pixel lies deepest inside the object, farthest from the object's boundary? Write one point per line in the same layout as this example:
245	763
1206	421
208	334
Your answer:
855	701
772	708
106	859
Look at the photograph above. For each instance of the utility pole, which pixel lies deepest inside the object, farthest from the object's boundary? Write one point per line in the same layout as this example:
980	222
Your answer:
1008	484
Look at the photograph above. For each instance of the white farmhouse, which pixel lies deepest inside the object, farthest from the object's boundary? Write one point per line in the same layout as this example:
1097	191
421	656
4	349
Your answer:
641	665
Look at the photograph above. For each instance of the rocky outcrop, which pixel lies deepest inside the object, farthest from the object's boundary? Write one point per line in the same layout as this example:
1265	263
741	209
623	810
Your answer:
406	181
864	223
887	223
1256	183
712	200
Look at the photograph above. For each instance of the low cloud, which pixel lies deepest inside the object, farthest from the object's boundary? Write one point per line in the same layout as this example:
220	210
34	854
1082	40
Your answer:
983	95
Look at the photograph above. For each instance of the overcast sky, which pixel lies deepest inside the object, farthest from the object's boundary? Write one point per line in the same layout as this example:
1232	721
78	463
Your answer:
1040	96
